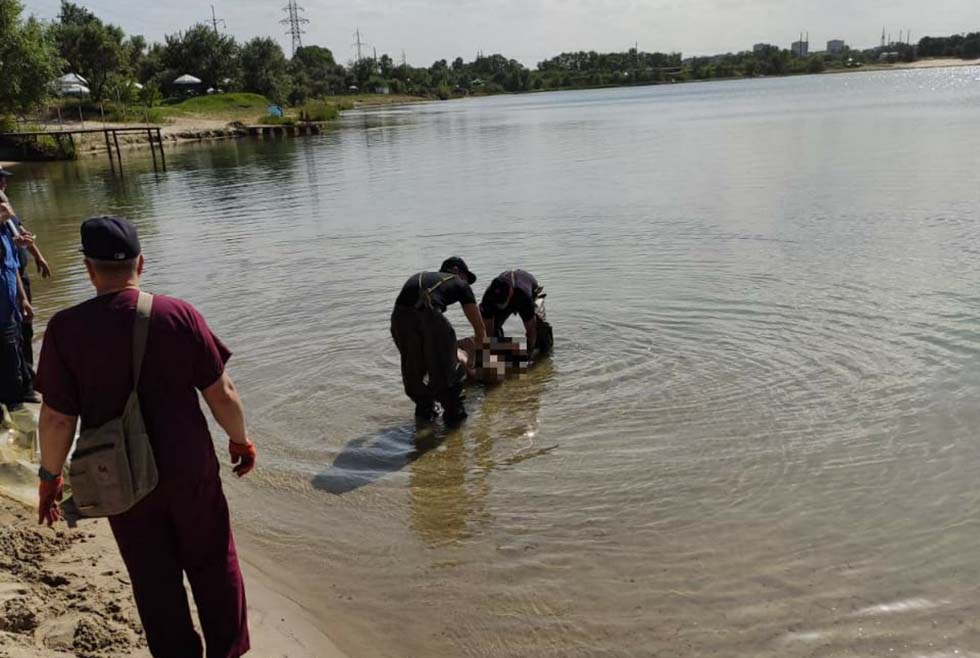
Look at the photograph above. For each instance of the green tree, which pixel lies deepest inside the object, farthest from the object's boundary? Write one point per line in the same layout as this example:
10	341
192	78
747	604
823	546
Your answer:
314	74
265	69
92	49
816	64
28	60
200	51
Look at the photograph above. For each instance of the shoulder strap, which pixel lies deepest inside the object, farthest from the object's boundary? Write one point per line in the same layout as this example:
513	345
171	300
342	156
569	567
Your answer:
141	329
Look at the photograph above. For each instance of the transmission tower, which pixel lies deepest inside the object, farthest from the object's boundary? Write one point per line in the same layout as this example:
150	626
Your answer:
360	44
295	23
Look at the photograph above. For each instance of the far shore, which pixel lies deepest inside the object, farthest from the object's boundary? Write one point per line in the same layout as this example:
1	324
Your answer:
199	128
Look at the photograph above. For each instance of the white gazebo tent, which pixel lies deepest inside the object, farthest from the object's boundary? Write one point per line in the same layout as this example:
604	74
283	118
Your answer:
72	79
78	90
187	80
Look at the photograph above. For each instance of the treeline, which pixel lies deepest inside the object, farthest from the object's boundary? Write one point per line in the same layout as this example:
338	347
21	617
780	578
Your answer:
33	54
964	46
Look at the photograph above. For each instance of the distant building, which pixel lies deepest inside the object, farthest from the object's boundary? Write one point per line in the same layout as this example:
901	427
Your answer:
836	47
800	49
760	48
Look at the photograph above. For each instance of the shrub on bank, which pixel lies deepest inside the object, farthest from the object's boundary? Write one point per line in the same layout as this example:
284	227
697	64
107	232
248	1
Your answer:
272	120
320	111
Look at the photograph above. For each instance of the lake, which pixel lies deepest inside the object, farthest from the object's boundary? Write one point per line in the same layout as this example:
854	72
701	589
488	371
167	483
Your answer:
757	435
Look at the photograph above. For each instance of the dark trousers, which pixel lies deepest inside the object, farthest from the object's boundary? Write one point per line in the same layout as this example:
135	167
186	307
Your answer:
11	367
27	328
181	529
427	343
27	343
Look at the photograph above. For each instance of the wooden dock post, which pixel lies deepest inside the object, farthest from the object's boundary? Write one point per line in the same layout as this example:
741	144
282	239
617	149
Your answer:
108	148
115	138
163	157
153	147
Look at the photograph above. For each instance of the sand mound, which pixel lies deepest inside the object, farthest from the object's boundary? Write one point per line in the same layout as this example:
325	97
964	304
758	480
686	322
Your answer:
52	603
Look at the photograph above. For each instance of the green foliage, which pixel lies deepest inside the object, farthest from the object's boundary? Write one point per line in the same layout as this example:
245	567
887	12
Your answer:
964	46
320	111
314	74
271	120
121	90
28	60
150	95
220	103
201	52
265	69
91	48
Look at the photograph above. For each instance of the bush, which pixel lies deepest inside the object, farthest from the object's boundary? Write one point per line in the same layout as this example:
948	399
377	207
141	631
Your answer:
271	120
320	111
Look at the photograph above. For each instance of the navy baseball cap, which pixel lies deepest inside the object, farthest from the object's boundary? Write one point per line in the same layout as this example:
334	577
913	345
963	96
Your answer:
457	262
110	239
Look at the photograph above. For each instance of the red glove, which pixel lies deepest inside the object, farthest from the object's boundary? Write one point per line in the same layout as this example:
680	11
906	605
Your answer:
49	494
242	457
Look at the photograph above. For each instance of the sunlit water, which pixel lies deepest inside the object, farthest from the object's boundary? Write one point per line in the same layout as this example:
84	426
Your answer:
757	436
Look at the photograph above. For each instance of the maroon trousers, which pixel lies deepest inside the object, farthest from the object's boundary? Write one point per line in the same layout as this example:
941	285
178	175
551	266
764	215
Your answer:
185	528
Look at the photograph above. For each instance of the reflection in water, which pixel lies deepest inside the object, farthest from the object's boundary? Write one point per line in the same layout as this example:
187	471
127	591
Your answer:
448	486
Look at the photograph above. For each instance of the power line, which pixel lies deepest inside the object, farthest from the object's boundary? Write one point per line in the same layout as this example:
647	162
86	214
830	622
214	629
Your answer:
295	23
215	20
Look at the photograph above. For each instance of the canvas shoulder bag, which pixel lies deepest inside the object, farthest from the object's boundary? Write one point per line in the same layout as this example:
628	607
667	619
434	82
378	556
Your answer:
112	467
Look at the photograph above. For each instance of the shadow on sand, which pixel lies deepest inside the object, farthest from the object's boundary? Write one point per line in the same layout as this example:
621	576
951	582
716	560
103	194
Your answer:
369	458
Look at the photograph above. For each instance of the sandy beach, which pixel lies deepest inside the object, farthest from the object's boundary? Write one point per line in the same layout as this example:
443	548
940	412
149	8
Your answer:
65	593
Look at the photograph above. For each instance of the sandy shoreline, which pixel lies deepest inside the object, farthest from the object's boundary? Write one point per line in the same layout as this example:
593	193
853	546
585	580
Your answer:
65	593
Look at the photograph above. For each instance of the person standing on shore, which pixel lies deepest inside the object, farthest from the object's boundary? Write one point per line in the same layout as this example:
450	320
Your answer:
183	525
25	252
14	307
517	292
426	340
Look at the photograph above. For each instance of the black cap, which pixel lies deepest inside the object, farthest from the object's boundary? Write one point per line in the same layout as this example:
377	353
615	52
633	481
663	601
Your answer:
4	173
110	239
458	263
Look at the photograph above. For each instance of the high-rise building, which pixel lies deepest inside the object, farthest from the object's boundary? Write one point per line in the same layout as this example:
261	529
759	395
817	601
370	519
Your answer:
836	47
800	49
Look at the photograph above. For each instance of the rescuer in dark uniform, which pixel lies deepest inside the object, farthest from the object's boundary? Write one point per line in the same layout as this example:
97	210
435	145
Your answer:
517	292
427	340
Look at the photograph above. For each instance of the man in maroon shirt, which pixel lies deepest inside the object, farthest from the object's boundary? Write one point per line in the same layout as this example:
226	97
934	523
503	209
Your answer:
183	526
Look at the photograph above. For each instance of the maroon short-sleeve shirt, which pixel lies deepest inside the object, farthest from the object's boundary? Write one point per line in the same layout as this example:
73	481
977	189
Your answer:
85	370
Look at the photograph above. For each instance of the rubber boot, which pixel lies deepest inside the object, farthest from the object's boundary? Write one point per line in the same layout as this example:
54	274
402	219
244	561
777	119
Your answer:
453	409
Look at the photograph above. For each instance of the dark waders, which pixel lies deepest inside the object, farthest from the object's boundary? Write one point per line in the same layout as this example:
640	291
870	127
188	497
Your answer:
431	370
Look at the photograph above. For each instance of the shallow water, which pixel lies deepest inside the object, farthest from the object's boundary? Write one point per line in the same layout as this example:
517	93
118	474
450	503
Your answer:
757	436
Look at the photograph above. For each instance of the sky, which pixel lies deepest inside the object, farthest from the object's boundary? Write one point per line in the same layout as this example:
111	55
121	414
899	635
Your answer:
533	30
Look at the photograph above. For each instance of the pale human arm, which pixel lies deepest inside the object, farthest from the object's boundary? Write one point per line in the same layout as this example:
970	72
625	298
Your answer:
226	406
472	312
56	432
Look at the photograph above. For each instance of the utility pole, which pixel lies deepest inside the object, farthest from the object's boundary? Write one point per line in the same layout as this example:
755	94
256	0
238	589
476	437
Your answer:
404	60
360	44
295	23
215	20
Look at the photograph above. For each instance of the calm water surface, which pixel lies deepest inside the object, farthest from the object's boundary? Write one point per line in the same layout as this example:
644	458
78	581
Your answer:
758	434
